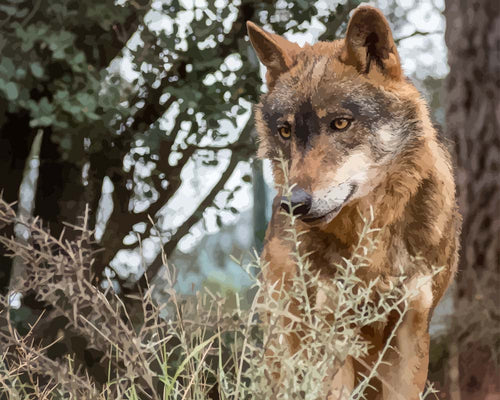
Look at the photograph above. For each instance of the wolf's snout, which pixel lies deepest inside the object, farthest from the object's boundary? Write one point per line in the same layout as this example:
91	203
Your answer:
300	202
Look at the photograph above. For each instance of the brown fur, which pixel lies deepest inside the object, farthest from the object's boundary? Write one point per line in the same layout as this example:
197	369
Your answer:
411	190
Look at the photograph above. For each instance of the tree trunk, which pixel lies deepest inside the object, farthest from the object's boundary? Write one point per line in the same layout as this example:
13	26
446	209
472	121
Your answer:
16	138
473	124
60	193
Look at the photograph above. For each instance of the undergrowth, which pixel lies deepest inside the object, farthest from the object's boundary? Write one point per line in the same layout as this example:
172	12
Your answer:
189	347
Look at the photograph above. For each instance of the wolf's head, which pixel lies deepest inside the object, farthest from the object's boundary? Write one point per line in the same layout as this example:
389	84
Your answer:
341	113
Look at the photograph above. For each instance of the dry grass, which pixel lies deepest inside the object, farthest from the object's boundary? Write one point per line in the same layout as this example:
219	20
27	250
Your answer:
190	347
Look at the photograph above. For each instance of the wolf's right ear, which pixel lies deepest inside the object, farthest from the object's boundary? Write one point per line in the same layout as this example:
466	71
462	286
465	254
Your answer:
274	51
369	43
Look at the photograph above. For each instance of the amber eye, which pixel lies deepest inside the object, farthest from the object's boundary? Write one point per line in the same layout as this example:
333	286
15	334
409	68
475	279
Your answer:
285	132
339	124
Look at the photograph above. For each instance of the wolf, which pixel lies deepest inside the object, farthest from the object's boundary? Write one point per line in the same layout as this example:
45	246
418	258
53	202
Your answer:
357	136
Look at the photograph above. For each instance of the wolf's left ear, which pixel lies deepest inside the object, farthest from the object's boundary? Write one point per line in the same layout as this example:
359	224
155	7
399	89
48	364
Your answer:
274	51
369	43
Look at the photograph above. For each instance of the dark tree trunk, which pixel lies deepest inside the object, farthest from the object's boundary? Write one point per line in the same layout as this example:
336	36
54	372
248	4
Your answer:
60	192
473	123
16	138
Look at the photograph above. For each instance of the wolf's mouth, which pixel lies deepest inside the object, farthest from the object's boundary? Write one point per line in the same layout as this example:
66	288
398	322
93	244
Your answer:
332	213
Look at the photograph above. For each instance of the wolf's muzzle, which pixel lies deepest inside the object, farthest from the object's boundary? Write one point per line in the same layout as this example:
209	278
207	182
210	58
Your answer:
324	209
300	201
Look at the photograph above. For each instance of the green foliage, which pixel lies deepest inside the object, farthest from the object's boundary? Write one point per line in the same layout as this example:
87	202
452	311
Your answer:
51	68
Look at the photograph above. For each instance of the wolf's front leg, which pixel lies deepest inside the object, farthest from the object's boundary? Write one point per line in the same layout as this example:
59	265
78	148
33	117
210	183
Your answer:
405	377
405	374
343	382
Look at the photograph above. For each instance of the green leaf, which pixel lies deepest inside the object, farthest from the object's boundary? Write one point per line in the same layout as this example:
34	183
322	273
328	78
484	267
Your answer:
9	10
36	69
79	58
11	91
181	367
20	73
7	68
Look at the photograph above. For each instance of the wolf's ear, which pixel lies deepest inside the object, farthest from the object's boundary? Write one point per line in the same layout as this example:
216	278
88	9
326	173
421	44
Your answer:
274	51
369	43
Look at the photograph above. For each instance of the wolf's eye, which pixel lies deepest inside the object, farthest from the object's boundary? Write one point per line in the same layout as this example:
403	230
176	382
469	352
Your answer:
285	131
339	124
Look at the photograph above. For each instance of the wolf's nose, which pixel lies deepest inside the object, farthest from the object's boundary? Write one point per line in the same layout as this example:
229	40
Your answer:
300	202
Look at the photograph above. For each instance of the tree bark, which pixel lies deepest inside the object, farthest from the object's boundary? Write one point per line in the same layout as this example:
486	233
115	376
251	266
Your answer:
473	124
15	142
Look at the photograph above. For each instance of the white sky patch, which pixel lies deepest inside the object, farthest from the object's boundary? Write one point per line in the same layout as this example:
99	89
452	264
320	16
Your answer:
233	62
268	172
197	180
15	300
105	207
423	55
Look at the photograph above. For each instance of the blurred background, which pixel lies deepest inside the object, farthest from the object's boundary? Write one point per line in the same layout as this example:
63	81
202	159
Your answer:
138	114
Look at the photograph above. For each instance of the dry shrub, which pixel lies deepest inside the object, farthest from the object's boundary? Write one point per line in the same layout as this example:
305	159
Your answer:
191	347
59	273
332	312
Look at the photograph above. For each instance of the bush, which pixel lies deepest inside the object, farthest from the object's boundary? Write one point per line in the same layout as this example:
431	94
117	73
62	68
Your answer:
190	347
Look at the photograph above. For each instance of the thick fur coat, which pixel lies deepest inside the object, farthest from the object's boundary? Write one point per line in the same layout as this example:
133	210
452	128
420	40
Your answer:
356	134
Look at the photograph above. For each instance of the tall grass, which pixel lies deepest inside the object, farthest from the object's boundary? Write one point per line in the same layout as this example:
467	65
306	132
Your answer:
192	347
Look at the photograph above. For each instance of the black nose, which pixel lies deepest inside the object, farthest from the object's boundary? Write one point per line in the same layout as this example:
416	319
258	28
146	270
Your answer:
300	201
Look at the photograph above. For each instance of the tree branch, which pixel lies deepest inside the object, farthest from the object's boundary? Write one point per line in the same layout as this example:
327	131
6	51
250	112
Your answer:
122	220
197	215
236	146
147	115
169	247
153	110
340	17
417	33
